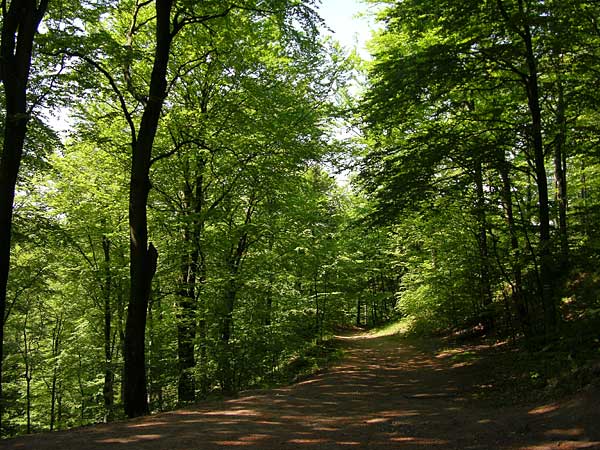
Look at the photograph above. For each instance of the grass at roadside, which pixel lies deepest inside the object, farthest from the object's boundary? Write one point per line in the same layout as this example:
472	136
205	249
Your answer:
399	328
312	360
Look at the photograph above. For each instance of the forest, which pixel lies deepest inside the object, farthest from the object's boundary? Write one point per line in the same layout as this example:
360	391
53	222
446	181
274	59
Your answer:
195	195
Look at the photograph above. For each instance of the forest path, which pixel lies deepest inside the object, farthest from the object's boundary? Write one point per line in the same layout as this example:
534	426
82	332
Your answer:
386	394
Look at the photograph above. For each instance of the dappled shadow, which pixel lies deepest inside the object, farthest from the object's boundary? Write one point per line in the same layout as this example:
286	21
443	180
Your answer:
384	395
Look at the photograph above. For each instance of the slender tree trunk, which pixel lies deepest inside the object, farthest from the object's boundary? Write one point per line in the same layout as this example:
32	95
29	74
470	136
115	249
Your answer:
560	177
59	409
584	197
269	303
482	241
227	372
545	255
28	396
227	375
121	333
324	304
269	292
186	318
203	363
517	285
234	262
56	334
144	256
109	375
317	304
81	385
186	334
53	397
19	25
202	330
192	280
28	376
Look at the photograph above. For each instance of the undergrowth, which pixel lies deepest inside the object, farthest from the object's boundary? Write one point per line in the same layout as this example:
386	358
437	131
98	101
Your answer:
507	370
315	358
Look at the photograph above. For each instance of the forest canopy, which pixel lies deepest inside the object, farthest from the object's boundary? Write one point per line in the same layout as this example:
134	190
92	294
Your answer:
189	234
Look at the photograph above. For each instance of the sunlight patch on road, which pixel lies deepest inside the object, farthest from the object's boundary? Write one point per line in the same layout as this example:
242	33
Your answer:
420	441
303	383
399	413
571	432
377	420
238	412
130	439
308	441
326	429
147	424
244	441
564	444
545	409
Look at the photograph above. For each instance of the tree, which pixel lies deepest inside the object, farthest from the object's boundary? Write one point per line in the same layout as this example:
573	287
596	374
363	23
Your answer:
448	76
20	20
170	19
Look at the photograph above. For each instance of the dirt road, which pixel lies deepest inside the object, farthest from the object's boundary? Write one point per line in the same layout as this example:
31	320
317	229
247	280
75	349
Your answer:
385	394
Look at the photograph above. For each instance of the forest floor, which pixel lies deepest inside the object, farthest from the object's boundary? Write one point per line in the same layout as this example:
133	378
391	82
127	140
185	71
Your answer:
386	393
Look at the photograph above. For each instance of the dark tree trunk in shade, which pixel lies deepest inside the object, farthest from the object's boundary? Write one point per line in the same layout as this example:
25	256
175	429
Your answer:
531	84
560	177
20	20
517	283
186	334
482	242
234	262
193	275
529	78
143	256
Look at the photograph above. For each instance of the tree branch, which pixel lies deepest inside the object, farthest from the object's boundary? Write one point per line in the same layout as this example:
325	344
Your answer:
113	84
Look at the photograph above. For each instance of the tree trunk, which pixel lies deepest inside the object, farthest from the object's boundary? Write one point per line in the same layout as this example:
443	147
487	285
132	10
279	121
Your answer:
186	335
560	177
545	255
144	257
19	25
28	376
517	284
227	375
192	278
585	216
234	262
56	333
186	317
59	409
203	364
156	347
109	376
317	304
121	333
482	243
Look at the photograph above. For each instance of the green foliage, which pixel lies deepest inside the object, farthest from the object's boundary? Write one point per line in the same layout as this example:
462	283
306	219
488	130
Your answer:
262	255
467	106
247	224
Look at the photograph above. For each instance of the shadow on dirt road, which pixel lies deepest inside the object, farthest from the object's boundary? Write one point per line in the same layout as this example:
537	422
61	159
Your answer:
385	394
